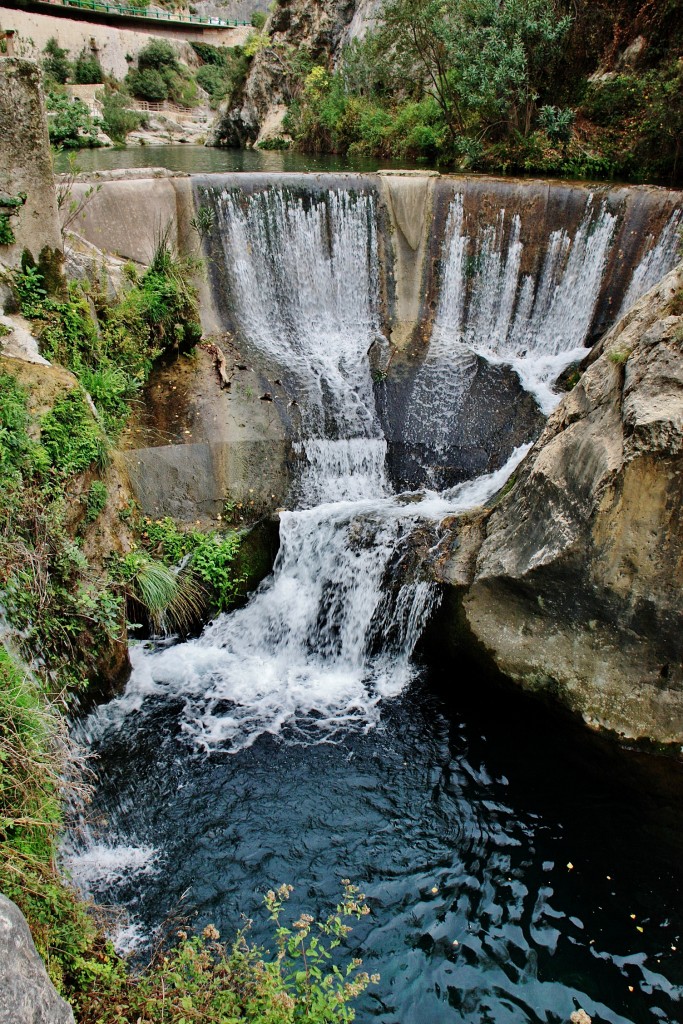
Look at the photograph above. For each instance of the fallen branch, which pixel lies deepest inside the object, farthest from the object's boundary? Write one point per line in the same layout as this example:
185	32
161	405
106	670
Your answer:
220	362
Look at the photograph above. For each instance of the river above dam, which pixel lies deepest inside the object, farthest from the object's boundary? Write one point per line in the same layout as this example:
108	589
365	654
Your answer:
209	160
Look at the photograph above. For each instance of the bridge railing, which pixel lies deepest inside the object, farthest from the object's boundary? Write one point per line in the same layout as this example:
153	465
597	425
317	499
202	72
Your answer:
102	6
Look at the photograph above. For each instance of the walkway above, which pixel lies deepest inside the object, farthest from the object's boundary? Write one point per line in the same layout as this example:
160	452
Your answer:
105	10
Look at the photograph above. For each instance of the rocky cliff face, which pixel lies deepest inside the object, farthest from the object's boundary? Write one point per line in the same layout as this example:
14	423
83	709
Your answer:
317	25
574	582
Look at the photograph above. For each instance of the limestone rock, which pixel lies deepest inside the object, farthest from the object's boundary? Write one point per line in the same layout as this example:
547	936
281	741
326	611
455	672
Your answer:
25	159
19	341
27	996
578	583
319	25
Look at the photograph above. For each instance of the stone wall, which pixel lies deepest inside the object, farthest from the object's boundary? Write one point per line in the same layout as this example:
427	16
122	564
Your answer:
112	44
25	160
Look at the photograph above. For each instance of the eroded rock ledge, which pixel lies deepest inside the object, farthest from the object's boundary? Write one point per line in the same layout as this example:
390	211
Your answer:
573	582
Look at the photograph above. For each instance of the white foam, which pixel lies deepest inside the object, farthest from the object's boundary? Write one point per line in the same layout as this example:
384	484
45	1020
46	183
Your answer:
487	307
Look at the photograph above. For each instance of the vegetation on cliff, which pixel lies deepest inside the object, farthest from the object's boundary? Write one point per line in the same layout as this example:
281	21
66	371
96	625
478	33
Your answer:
519	85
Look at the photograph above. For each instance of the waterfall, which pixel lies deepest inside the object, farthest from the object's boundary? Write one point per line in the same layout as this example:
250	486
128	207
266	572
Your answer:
535	323
332	631
661	256
303	280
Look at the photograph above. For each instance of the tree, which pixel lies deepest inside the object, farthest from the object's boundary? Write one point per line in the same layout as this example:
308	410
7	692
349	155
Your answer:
87	69
484	61
56	62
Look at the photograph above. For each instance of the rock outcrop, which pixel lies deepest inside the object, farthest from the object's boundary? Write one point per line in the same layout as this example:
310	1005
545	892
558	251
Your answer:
573	583
316	25
23	131
27	996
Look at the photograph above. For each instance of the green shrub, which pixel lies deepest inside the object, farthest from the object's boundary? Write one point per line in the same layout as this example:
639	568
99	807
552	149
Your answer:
56	62
117	118
95	501
258	19
212	557
87	69
556	122
70	124
158	55
71	437
148	84
6	233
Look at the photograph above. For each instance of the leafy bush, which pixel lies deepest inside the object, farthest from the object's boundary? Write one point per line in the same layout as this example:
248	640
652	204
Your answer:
158	55
212	557
69	123
113	358
556	122
258	19
96	500
87	69
117	118
6	233
149	84
56	62
70	436
222	71
205	979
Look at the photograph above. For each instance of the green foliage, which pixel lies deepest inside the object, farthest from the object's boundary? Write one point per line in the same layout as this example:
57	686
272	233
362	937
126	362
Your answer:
149	84
556	122
6	233
87	69
95	501
56	62
70	436
173	600
213	558
202	979
203	220
69	123
223	71
640	117
160	76
118	120
619	356
28	283
159	56
113	358
258	19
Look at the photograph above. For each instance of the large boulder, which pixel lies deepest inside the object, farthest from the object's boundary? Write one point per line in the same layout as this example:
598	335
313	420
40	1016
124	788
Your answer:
27	996
577	582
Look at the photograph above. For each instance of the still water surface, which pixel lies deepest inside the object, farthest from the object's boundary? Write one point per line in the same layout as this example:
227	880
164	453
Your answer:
206	160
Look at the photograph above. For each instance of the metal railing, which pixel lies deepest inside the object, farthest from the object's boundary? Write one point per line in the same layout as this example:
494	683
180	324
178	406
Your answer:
102	7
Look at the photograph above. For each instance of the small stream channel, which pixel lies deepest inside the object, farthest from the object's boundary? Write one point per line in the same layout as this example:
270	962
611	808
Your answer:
516	867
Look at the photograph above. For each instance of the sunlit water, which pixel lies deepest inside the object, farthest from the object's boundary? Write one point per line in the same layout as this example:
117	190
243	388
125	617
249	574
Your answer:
297	740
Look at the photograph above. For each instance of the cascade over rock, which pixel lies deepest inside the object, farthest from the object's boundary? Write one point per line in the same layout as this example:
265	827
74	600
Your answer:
493	289
574	582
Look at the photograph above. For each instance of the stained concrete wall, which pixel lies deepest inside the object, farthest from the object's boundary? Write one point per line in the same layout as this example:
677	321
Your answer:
112	44
25	159
126	214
